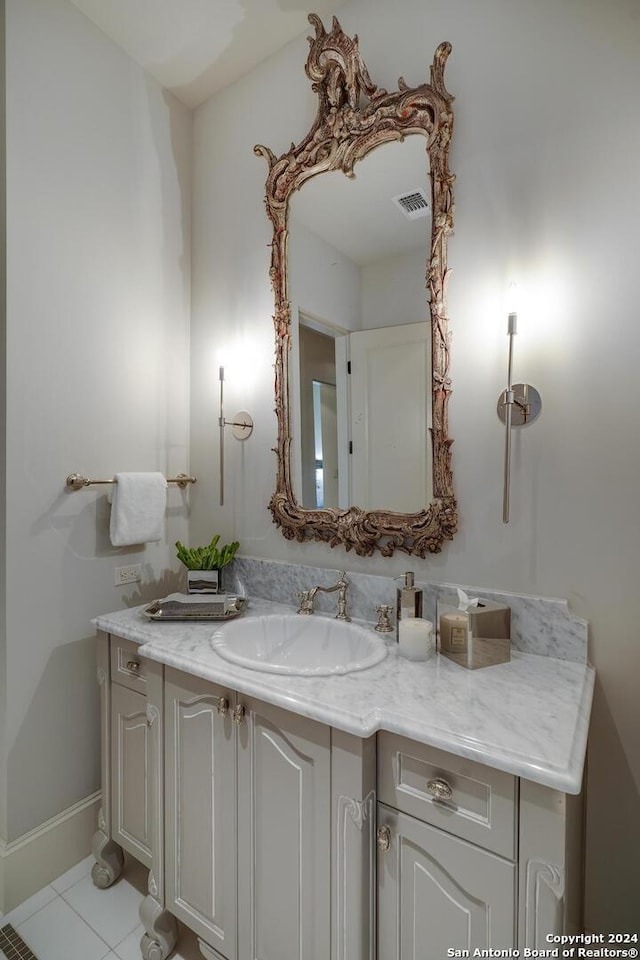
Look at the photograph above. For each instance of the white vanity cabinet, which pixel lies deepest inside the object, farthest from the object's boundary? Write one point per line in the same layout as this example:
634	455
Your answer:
469	857
284	831
130	740
200	821
247	822
259	827
132	768
124	816
268	818
436	889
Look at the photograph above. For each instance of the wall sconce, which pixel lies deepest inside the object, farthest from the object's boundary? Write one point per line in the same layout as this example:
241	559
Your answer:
518	406
241	427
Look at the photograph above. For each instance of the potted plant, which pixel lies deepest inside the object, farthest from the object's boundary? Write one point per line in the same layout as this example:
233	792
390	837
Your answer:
205	563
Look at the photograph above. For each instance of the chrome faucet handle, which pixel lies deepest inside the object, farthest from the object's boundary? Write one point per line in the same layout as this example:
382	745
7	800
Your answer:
306	606
384	618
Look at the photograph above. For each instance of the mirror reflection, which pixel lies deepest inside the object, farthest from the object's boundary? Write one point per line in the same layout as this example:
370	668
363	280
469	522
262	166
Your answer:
361	340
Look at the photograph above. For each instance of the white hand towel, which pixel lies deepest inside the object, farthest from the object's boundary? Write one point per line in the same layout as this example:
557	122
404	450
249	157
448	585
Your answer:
138	506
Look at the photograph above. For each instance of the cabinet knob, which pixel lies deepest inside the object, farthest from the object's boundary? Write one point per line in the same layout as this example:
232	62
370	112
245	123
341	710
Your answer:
384	837
133	665
238	714
439	789
223	706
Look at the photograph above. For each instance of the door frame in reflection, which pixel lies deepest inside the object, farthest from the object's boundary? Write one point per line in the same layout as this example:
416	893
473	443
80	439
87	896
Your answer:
303	446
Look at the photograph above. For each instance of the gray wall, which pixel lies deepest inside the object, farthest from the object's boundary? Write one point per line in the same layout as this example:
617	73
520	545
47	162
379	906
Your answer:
98	266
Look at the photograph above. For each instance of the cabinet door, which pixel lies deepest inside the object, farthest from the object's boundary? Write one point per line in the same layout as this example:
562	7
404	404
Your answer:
284	849
200	809
130	773
437	892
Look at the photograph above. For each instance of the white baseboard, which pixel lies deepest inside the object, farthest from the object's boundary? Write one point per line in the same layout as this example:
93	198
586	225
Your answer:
38	857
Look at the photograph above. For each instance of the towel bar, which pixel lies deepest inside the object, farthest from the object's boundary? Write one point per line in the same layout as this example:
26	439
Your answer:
76	481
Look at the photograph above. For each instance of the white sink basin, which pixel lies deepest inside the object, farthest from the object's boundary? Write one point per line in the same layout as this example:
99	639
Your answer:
305	646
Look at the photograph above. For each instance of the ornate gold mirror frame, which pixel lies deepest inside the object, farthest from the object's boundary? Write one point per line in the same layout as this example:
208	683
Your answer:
354	117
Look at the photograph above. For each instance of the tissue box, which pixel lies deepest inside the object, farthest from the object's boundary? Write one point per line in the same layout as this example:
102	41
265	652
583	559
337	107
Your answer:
477	637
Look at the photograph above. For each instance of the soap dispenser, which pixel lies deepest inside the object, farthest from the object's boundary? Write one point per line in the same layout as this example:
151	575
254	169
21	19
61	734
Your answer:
408	602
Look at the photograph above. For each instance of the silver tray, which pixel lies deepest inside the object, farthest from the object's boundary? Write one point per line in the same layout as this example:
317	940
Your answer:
180	606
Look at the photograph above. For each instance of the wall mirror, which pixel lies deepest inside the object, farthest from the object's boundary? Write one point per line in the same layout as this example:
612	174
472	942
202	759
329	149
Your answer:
361	211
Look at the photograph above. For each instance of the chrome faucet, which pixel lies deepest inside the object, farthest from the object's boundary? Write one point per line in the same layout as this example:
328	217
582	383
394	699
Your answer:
308	596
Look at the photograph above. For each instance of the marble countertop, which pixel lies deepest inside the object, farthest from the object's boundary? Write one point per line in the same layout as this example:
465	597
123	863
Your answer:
528	717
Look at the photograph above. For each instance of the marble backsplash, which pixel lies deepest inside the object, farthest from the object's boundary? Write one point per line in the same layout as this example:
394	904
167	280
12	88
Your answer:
539	625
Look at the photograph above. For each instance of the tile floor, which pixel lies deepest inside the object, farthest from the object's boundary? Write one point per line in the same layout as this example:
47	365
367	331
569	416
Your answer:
72	920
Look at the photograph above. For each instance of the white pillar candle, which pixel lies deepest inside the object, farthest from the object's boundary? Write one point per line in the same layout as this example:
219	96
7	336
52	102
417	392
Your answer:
415	638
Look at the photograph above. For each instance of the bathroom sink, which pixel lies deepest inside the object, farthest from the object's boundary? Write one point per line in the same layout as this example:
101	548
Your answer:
312	646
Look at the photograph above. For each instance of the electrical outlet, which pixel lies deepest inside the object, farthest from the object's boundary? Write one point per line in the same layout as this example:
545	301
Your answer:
130	574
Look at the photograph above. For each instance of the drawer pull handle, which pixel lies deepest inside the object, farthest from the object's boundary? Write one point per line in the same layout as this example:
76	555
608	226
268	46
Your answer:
238	714
439	789
384	838
133	665
223	706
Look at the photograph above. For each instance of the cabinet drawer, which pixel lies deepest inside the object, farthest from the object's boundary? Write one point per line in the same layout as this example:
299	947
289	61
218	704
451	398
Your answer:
127	666
482	804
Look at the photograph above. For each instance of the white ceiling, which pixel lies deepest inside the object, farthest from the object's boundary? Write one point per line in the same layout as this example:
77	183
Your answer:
196	47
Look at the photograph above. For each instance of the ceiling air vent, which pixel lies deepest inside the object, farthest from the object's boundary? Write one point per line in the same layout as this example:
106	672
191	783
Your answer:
414	204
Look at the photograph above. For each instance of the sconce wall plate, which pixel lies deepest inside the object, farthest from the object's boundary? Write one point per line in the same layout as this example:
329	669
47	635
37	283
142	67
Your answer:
527	404
241	425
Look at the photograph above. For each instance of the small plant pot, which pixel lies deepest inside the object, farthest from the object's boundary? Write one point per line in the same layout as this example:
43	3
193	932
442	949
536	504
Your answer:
204	581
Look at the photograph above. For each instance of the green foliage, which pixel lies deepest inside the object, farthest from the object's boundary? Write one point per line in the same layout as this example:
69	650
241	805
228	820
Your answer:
209	557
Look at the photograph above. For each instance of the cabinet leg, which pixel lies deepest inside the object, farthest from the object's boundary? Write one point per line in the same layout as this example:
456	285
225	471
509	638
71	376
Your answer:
109	860
161	930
